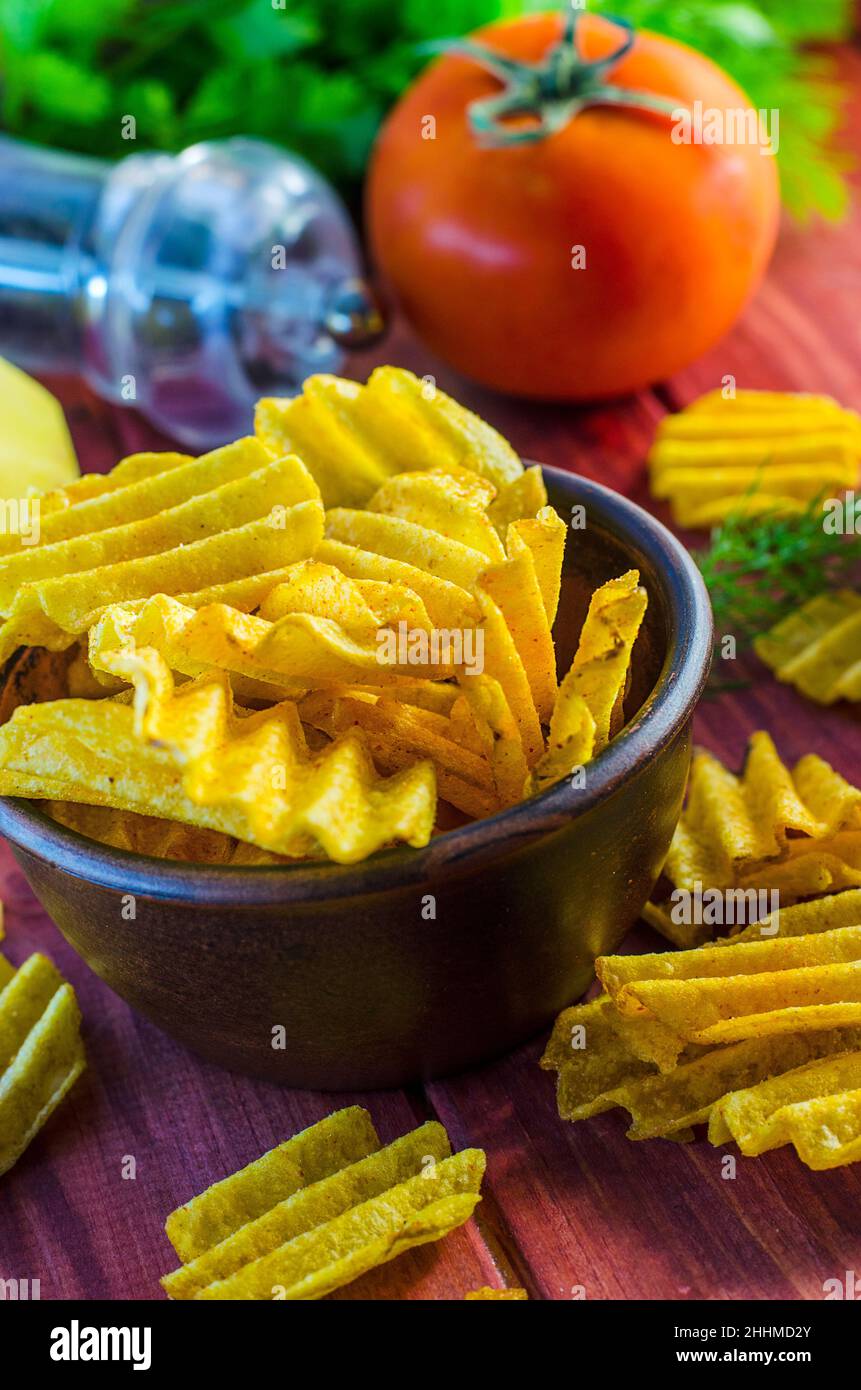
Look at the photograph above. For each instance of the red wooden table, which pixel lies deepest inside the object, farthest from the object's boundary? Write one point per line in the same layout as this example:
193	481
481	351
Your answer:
567	1208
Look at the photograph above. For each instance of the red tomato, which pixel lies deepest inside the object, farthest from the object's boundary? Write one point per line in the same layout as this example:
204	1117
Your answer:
478	242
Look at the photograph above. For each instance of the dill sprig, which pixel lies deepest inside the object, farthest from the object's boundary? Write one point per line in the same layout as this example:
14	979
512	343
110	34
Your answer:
759	568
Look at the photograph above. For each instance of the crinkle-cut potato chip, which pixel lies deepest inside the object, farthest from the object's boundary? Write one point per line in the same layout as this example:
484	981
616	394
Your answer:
415	545
765	448
817	649
261	522
513	586
758	988
581	722
353	437
811	866
502	661
489	1295
310	1156
732	825
397	734
320	1210
595	1050
423	1208
602	659
448	605
140	834
41	1053
140	502
518	500
187	756
778	1111
452	504
544	535
803	919
129	470
665	1104
243	489
293	654
352	1180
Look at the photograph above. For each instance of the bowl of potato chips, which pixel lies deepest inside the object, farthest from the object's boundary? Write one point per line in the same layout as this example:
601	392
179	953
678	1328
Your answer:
342	751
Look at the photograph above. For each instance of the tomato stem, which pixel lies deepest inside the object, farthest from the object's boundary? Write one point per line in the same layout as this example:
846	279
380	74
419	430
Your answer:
554	90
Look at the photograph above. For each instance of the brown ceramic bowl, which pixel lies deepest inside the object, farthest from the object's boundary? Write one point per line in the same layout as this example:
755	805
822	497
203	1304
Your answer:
368	991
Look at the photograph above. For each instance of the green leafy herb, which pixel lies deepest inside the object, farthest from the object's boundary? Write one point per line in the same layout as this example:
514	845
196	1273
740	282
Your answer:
758	569
319	75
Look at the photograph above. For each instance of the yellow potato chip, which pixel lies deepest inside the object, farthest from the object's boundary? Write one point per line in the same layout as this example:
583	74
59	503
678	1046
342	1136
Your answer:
758	451
816	1107
353	437
447	604
52	612
663	1105
803	919
600	666
422	1208
355	1177
454	504
544	535
41	1053
731	825
513	586
422	427
778	986
503	663
818	648
140	834
415	545
397	734
488	1295
309	1157
250	776
524	497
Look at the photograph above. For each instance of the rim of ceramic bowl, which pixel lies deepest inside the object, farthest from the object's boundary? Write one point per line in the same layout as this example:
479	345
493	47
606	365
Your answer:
664	713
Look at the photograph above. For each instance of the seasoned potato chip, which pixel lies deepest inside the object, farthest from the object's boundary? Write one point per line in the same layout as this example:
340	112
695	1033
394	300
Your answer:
421	1209
663	1105
760	987
188	526
309	1157
353	437
249	776
580	722
818	647
397	734
488	1295
544	535
513	586
524	497
354	1178
802	919
733	829
816	1107
453	504
41	1053
767	449
320	1210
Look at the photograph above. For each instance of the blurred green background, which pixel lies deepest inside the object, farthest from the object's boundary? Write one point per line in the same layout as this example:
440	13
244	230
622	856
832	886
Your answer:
319	75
